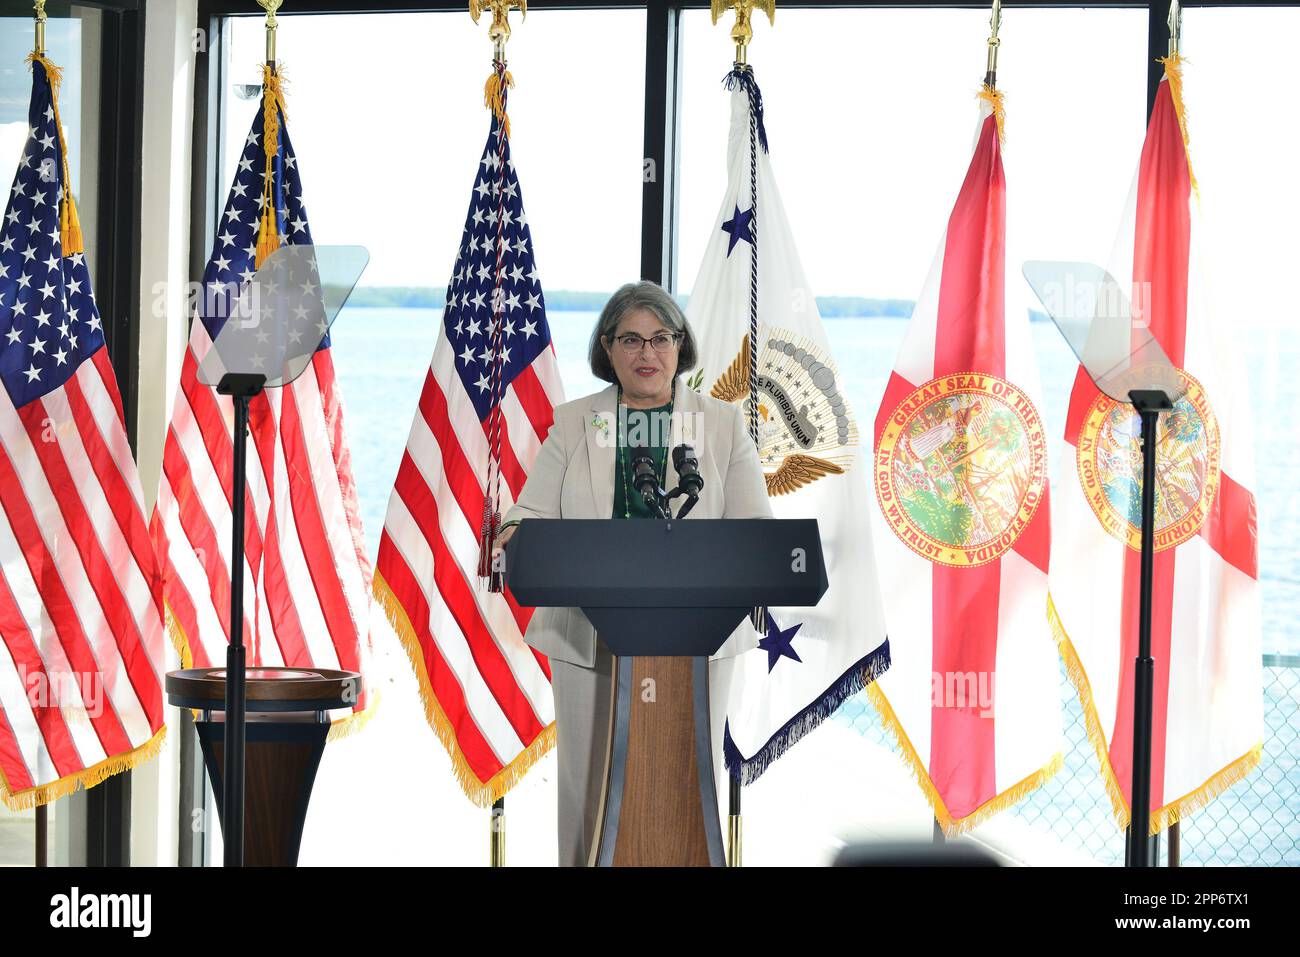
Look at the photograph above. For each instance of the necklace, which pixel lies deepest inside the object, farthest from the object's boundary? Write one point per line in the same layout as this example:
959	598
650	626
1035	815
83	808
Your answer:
623	465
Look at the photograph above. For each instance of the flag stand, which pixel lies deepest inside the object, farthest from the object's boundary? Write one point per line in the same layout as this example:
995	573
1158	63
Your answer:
241	387
1148	403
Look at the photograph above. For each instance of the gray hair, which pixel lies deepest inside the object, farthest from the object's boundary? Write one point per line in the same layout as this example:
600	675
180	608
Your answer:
629	298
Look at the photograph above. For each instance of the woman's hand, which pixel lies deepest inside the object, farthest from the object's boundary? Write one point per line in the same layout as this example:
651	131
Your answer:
502	537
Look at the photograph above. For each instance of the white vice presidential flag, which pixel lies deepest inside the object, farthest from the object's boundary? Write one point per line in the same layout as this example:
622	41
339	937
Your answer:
810	659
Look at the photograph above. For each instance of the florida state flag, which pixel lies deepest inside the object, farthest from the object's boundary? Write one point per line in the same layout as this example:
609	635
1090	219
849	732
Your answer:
961	479
1205	638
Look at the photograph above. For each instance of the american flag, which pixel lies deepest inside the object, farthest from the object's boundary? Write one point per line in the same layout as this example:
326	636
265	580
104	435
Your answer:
80	594
307	579
486	693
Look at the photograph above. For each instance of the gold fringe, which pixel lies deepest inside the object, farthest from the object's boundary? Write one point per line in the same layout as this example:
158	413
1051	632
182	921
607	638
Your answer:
85	778
1174	74
994	98
180	641
71	240
952	827
1172	812
268	232
480	792
355	722
494	97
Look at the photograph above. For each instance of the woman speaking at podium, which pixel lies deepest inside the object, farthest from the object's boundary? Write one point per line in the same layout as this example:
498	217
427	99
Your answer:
641	345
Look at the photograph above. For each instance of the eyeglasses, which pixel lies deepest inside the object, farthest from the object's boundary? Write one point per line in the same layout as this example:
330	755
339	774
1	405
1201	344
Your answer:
631	343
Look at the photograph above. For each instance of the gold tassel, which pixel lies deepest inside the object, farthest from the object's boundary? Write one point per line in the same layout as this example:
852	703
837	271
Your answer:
1173	65
268	232
268	235
993	98
71	240
70	224
494	97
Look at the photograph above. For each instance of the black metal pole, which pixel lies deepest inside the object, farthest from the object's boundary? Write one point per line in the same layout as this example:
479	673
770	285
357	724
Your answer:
42	835
1144	667
233	771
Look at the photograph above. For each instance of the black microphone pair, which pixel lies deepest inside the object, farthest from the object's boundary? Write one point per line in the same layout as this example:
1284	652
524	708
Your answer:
689	481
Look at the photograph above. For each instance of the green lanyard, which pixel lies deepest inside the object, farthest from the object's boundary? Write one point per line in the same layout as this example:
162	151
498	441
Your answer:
624	466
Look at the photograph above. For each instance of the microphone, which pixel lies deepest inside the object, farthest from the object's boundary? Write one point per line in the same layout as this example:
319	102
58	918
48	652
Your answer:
687	465
689	480
644	479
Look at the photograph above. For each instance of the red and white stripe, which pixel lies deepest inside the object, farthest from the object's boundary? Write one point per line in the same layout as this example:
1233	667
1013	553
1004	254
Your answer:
80	595
487	694
977	630
1208	708
307	579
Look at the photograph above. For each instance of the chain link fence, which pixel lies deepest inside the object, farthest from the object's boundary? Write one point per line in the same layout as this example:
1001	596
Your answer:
1256	822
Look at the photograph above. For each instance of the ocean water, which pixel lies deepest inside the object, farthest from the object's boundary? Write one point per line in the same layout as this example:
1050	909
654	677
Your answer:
382	357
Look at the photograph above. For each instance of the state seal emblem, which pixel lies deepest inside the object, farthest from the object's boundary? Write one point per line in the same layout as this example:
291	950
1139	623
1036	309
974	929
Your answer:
961	468
1109	461
805	428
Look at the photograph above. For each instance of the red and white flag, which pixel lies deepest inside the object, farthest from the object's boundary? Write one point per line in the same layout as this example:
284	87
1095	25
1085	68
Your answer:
1205	635
307	578
81	627
963	538
486	406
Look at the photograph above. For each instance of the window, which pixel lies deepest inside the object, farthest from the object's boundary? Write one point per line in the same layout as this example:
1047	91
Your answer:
868	188
388	160
1244	152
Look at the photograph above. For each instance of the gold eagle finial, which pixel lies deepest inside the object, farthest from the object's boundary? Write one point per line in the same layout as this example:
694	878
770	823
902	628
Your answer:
742	31
499	31
270	6
39	46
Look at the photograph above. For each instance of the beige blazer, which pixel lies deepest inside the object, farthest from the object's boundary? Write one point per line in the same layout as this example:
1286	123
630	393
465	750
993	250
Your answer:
573	477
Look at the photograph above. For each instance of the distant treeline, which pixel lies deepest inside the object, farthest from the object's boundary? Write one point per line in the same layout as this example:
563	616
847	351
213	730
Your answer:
567	300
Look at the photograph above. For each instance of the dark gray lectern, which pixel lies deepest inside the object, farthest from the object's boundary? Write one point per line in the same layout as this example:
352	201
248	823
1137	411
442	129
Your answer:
663	596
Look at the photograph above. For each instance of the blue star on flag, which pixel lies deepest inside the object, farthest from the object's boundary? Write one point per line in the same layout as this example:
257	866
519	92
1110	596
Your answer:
777	642
738	227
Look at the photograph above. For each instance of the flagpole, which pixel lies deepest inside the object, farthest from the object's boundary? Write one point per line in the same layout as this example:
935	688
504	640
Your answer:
270	6
42	810
742	32
39	47
995	24
498	33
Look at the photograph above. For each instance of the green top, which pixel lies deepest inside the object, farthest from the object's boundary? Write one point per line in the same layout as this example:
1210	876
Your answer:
644	428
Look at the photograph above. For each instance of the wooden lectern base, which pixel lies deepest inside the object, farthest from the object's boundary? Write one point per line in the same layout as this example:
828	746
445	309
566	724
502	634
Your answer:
659	807
287	726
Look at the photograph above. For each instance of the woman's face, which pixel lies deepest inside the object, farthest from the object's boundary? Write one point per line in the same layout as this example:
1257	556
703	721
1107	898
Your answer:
645	374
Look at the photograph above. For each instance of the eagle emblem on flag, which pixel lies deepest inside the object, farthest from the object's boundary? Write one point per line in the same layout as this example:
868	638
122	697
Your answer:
805	428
